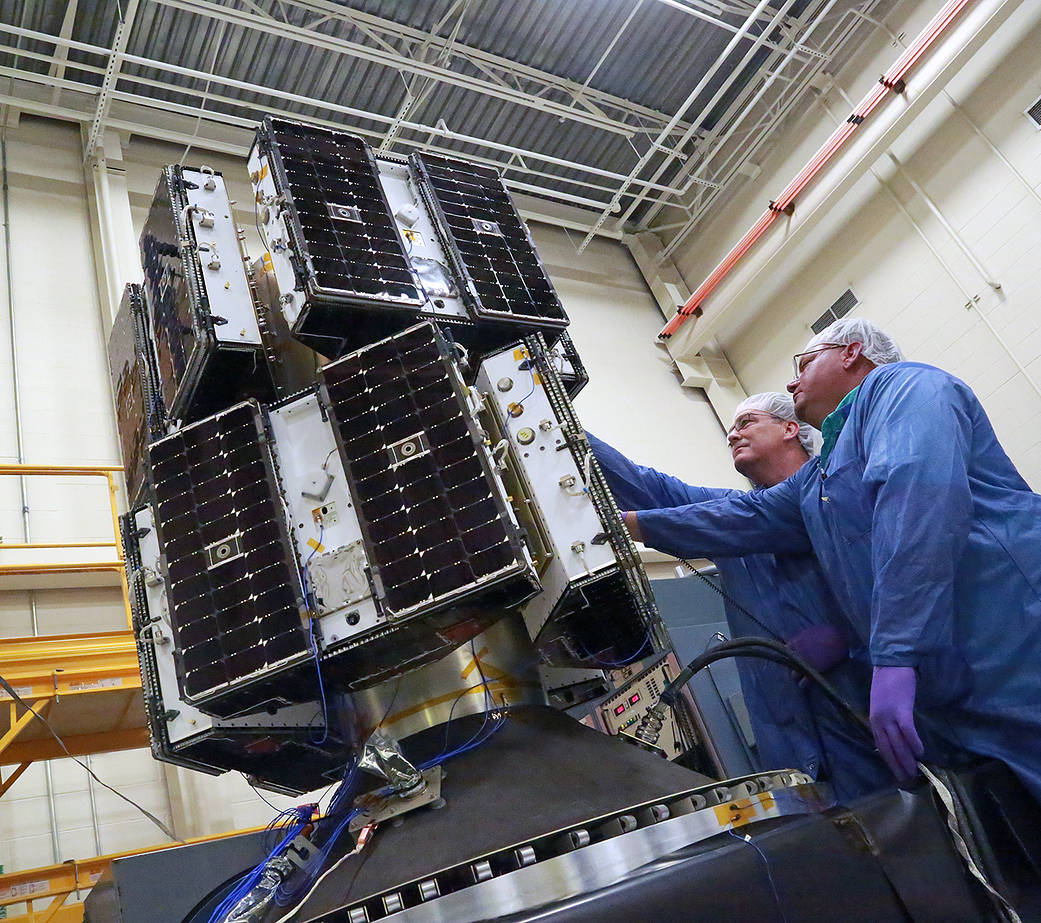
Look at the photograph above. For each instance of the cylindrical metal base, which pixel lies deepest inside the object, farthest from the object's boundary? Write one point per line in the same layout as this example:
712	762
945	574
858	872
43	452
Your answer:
498	668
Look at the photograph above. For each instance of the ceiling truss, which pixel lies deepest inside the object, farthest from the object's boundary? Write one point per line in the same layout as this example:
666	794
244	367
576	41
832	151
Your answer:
680	165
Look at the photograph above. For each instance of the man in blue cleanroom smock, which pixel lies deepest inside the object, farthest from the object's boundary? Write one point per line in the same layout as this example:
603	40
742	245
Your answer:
928	536
795	727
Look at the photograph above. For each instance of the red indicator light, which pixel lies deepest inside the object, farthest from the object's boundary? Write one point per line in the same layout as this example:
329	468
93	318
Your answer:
620	709
634	698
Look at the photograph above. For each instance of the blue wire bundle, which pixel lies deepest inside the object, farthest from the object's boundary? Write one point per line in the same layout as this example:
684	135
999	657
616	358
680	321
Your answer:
341	813
628	660
527	365
301	816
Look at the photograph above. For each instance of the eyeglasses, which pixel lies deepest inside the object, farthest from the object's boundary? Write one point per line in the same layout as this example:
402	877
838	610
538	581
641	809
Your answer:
801	360
747	419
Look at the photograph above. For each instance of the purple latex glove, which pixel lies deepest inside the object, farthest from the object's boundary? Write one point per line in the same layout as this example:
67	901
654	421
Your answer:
892	719
823	647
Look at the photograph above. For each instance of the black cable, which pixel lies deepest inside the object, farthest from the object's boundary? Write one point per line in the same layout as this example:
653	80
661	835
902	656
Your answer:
730	599
258	793
9	689
764	649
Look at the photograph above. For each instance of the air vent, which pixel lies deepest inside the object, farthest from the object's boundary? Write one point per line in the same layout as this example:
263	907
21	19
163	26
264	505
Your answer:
1034	113
845	303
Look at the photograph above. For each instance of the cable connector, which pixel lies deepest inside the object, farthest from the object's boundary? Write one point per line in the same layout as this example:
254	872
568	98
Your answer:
650	726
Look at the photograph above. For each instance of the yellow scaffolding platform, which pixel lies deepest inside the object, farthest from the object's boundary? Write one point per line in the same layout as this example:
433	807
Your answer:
55	883
87	686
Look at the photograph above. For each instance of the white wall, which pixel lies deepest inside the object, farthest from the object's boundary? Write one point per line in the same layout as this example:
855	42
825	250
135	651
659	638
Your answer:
66	406
68	419
870	245
633	400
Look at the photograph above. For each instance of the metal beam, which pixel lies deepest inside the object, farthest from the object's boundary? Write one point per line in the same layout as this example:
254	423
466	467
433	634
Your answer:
576	220
115	62
494	66
424	131
735	297
766	126
399	62
739	31
607	51
711	104
691	98
420	89
58	69
746	107
204	76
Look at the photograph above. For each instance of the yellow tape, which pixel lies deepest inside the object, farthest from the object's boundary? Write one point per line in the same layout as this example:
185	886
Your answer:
315	544
743	811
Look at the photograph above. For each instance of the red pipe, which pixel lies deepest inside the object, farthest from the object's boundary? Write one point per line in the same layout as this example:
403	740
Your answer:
890	81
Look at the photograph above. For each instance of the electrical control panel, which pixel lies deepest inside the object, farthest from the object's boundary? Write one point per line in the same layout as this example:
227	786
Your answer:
638	687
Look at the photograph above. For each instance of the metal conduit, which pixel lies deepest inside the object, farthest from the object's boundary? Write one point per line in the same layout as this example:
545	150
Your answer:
890	82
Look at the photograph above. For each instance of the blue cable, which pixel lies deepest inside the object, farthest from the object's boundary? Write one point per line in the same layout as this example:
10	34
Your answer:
471	744
448	724
321	690
341	798
769	875
314	644
627	660
531	372
252	877
321	534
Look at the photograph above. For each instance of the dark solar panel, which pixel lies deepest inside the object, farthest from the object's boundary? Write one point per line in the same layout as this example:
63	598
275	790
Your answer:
137	414
488	243
433	526
347	234
174	323
234	604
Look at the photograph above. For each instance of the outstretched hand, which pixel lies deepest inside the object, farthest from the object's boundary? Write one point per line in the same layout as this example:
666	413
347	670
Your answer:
892	719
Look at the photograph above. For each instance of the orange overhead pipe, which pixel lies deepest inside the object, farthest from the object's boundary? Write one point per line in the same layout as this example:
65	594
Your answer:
892	81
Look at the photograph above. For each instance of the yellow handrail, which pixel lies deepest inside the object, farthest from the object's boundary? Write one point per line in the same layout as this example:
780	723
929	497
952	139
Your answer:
73	567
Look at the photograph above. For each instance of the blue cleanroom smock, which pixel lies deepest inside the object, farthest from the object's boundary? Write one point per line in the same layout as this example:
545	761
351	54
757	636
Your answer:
931	541
795	727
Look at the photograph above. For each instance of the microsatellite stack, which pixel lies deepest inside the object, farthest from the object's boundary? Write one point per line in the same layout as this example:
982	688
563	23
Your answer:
367	521
358	532
364	246
201	318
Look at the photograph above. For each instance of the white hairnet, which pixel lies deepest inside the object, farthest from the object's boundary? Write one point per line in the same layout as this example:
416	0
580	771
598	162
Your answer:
779	405
876	345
